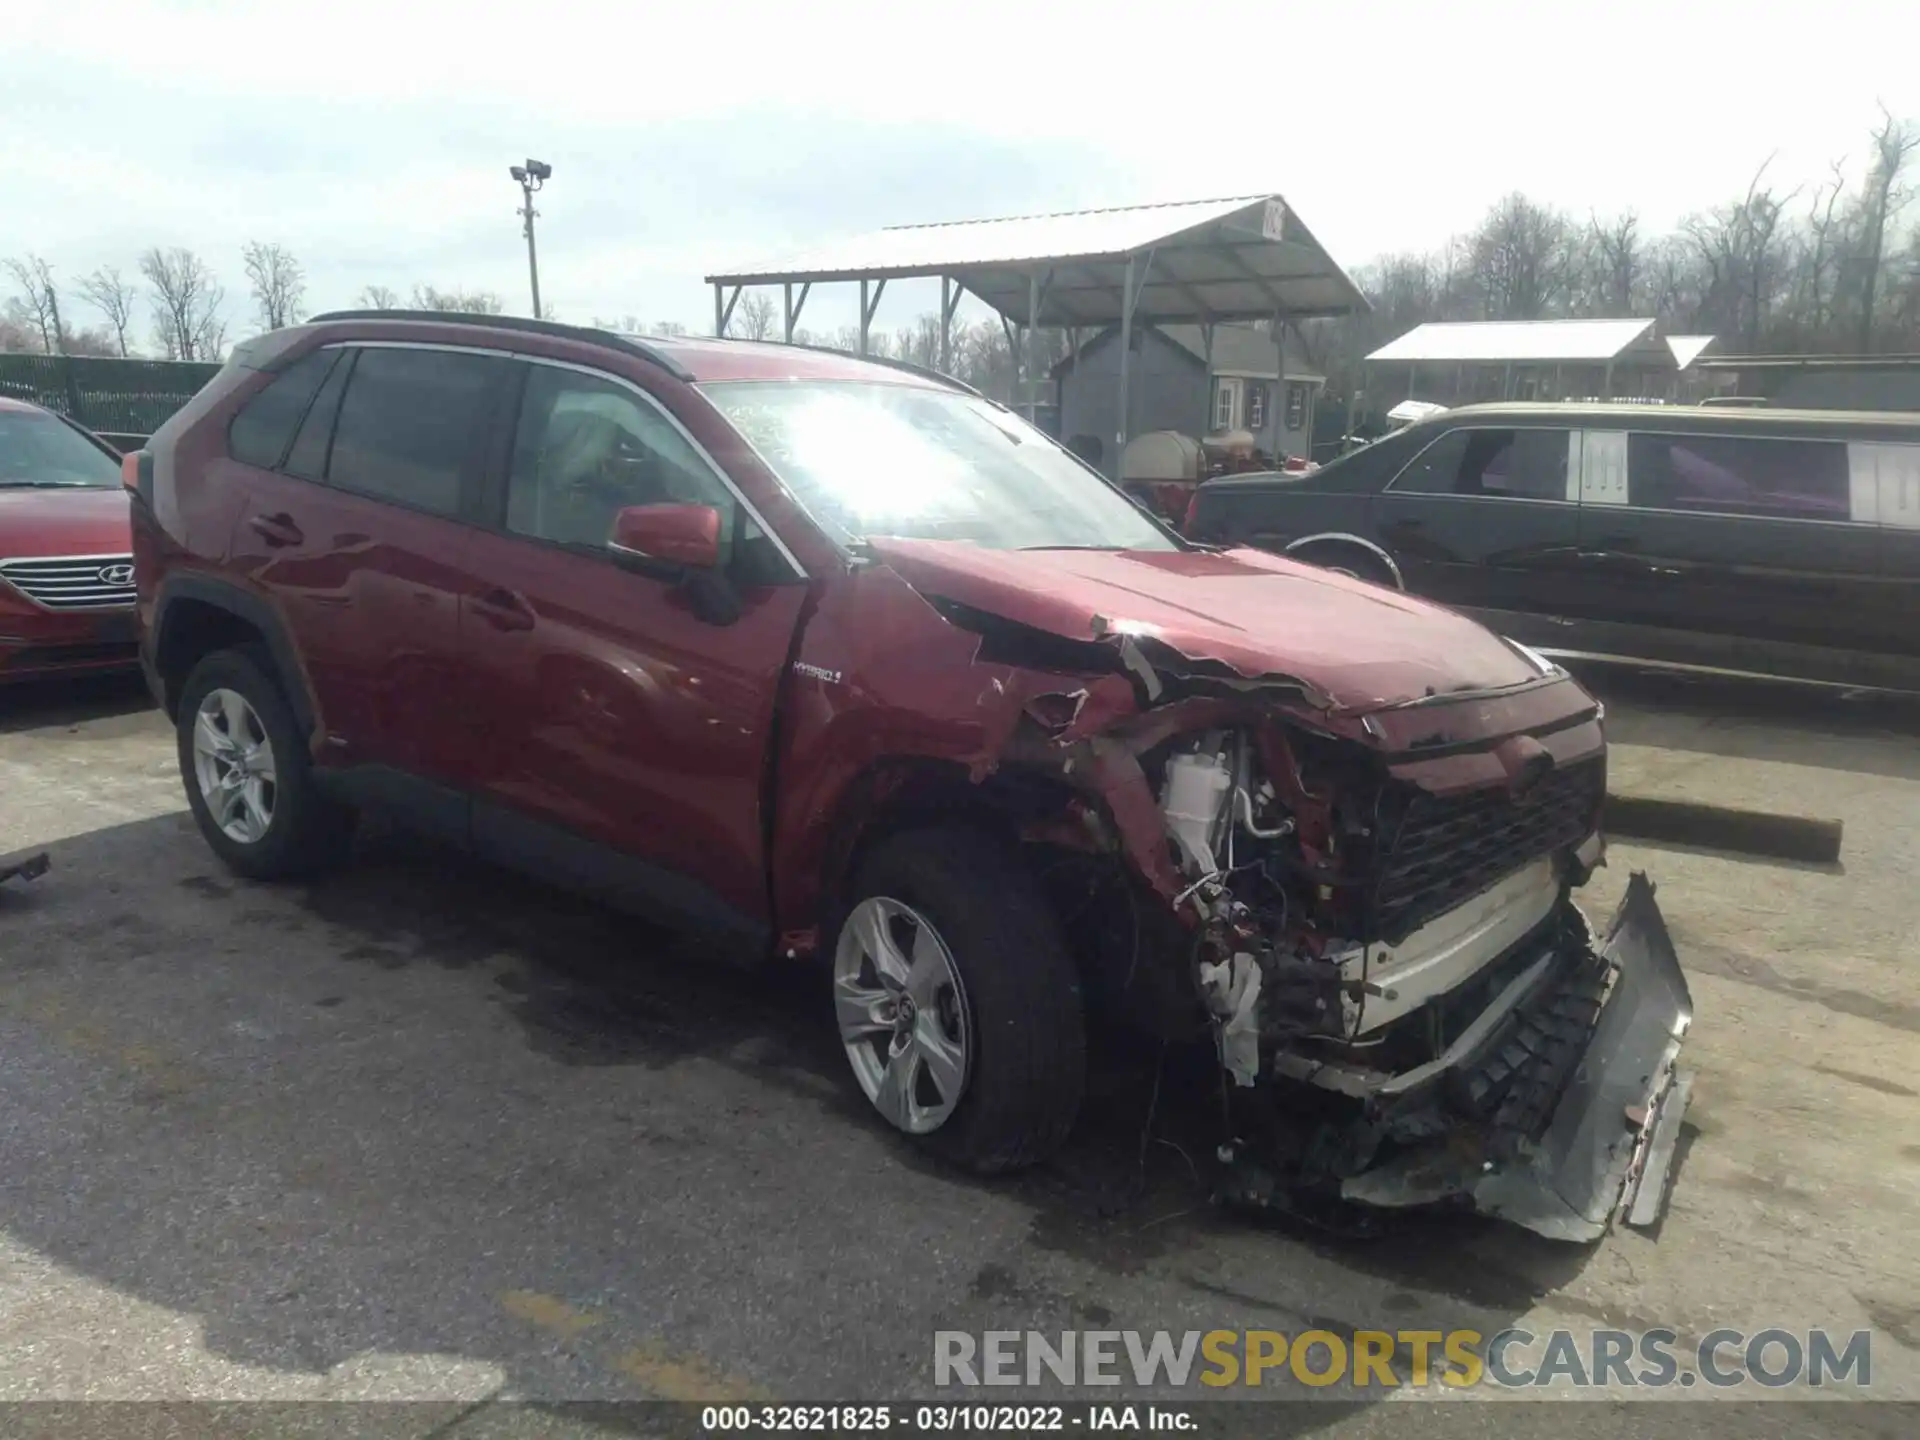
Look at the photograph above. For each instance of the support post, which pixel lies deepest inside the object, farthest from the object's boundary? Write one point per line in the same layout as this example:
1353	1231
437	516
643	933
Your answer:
1506	382
1036	298
1606	384
719	313
1129	294
865	318
786	309
1126	357
948	309
946	325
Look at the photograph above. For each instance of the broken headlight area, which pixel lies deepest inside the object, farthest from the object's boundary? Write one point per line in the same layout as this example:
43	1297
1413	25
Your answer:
1407	1005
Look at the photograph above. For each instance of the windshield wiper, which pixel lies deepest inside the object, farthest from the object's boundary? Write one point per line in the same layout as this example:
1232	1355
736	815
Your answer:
50	485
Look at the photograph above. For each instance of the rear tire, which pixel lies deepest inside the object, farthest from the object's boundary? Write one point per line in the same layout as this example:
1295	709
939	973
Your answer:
994	985
248	776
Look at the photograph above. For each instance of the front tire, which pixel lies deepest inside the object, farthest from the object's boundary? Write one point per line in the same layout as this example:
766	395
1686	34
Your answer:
248	777
958	1002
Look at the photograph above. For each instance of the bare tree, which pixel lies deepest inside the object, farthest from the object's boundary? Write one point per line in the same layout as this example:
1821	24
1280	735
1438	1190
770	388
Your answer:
18	332
95	343
1617	260
1893	144
1821	263
379	297
462	302
754	316
39	299
277	282
114	296
186	304
633	325
1743	249
1520	259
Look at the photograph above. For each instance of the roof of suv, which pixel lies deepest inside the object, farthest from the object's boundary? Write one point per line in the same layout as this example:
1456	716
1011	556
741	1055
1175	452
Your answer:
689	358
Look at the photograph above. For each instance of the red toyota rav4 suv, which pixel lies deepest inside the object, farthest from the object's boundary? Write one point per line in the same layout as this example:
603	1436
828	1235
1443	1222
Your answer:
66	574
844	660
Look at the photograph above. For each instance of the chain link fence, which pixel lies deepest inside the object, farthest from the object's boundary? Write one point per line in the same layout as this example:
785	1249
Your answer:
122	401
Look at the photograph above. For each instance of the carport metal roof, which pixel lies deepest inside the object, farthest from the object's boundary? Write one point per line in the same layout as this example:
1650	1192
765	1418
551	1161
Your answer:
1517	342
1242	258
1200	261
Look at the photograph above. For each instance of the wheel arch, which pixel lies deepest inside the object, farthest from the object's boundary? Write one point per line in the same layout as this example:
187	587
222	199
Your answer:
889	796
194	615
1333	538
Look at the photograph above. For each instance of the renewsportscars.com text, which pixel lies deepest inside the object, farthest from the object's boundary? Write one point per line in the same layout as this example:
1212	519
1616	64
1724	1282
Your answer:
1389	1359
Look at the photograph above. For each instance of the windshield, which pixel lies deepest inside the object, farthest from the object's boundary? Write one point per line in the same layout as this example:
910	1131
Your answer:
37	449
869	458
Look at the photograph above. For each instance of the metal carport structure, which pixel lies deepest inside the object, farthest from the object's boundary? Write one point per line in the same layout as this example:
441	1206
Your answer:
1507	343
1199	262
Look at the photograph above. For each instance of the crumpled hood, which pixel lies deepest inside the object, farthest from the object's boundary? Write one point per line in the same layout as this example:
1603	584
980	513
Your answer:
1359	645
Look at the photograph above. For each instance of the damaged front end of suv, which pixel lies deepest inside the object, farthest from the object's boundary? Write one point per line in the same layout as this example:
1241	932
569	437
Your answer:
1367	897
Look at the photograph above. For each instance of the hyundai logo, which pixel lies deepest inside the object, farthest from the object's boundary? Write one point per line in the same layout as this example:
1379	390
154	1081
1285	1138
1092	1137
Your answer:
116	575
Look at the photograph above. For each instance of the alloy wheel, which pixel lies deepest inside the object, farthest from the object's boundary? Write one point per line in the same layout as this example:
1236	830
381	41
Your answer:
902	1012
233	764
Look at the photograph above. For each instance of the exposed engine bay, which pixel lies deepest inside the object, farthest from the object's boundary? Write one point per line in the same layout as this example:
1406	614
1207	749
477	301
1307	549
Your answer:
1409	970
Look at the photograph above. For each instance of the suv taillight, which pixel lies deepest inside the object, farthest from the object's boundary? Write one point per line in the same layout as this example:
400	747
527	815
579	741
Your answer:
136	474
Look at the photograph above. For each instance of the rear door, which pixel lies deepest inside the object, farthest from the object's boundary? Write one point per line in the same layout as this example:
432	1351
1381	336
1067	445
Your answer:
1736	550
622	740
360	533
1486	518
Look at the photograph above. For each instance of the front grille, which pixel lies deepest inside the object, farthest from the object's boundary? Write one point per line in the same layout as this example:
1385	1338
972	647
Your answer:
97	582
1449	849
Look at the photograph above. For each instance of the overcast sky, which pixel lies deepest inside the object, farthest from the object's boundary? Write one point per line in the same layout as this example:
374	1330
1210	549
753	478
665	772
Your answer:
373	139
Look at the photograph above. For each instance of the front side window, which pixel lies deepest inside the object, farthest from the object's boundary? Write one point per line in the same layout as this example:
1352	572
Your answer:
588	448
42	451
412	425
1511	464
869	458
1740	475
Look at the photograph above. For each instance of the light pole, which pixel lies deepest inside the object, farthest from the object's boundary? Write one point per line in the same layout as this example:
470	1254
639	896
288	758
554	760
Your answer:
531	176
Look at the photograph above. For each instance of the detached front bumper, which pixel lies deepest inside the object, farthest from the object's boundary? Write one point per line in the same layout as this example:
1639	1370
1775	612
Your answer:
1606	1150
1557	1108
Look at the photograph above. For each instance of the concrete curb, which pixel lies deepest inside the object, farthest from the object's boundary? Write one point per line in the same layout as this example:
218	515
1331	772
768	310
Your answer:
1721	827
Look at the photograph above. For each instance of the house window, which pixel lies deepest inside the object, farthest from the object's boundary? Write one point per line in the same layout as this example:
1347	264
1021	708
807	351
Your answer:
1256	407
1296	405
1225	395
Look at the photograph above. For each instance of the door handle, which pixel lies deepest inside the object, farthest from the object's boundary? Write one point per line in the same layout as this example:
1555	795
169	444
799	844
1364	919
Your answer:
278	531
504	610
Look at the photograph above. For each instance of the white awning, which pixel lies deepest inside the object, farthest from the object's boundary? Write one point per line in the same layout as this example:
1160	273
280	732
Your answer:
1518	341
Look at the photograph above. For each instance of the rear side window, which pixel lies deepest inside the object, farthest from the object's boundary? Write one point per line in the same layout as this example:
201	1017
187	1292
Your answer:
308	457
1513	464
261	432
412	424
1740	475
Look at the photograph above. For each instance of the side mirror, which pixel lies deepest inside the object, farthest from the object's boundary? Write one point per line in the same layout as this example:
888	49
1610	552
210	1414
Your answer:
656	538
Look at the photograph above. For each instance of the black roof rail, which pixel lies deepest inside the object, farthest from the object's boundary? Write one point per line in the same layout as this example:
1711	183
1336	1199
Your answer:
516	322
925	371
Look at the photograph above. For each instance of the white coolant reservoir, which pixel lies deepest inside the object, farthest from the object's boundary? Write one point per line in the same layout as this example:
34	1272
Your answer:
1194	802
